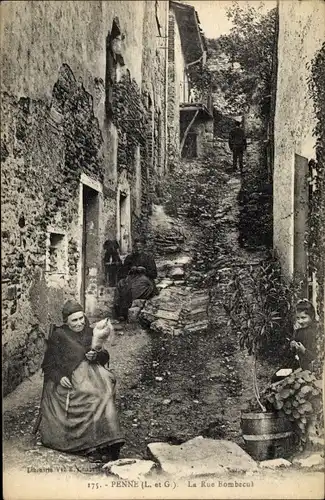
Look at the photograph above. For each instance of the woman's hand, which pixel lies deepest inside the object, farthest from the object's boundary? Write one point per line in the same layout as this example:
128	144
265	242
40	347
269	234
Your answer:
91	355
293	345
301	348
298	346
65	382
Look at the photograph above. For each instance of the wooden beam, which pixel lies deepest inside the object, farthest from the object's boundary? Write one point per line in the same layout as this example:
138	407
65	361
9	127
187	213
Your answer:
188	129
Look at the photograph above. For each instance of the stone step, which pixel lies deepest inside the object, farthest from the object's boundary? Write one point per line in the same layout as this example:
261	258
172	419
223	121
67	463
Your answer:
196	327
161	326
168	315
197	317
200	293
177	273
169	249
196	302
169	239
199	310
179	283
165	284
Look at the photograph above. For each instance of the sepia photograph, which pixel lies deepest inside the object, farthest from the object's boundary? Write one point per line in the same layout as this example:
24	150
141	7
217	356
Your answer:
163	249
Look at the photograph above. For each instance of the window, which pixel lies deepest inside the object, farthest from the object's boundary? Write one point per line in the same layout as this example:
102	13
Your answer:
56	253
114	61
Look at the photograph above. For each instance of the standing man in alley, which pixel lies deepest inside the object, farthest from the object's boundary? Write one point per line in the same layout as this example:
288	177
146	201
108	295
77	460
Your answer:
237	144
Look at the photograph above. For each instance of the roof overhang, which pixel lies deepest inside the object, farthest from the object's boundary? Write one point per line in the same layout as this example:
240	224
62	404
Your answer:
192	39
190	107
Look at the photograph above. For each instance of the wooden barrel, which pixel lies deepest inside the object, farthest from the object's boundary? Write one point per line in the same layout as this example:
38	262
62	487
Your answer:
267	435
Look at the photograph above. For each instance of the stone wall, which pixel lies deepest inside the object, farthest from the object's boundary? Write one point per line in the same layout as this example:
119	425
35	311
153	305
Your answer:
202	129
301	33
48	149
58	142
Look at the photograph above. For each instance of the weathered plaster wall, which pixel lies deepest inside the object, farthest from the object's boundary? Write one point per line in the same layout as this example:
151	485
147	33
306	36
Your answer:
155	85
55	131
180	65
176	68
74	32
301	33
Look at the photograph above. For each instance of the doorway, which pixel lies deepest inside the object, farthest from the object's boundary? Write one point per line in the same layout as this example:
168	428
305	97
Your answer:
124	218
301	212
90	206
190	146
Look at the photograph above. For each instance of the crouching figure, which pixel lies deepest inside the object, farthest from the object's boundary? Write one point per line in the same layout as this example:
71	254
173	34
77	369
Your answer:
138	280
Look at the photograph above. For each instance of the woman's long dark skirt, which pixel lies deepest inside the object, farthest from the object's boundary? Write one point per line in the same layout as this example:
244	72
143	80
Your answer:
84	418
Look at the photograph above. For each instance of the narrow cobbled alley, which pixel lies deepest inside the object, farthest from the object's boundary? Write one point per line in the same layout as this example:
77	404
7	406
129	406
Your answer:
181	372
162	244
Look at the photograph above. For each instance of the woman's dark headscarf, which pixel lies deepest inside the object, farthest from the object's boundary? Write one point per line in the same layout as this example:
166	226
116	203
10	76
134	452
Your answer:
70	307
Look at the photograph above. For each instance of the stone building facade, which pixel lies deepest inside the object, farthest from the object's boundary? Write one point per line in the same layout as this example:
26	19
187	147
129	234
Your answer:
84	127
301	33
190	116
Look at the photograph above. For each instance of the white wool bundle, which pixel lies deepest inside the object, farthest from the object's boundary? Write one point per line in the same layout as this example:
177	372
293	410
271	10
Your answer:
102	330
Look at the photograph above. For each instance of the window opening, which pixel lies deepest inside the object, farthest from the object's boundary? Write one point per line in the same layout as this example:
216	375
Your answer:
57	255
114	61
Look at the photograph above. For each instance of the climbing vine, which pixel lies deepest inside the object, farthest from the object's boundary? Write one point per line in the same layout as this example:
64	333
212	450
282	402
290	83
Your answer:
316	237
200	77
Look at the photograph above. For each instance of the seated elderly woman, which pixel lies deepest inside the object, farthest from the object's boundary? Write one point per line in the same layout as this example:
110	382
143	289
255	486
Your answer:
78	413
140	258
137	279
137	285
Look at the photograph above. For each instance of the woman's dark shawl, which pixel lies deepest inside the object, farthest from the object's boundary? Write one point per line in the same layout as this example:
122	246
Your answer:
65	351
141	259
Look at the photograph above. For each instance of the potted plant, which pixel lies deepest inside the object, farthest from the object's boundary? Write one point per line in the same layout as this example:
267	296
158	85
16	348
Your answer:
259	308
298	398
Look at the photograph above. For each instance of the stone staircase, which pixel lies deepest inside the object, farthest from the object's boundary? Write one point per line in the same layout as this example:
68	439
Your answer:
166	244
178	308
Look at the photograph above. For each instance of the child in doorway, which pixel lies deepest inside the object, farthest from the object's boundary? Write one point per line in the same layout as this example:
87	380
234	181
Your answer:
305	328
303	343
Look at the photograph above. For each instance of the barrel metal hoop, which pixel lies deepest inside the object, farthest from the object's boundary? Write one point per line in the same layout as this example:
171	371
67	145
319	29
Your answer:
260	416
266	437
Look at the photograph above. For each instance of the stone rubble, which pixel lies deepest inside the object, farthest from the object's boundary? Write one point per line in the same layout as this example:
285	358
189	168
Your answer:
201	456
310	460
275	463
130	469
177	273
178	308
